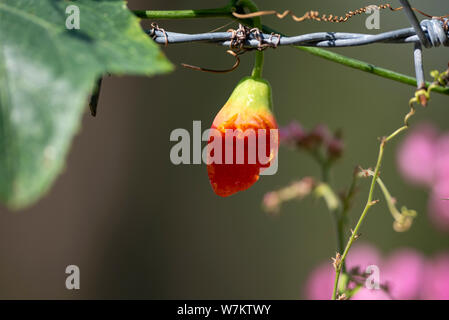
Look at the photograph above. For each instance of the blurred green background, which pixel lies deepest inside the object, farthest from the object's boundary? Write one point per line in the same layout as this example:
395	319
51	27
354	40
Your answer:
140	227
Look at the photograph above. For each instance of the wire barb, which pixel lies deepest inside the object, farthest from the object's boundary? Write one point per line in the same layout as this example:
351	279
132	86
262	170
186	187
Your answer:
240	37
237	42
152	32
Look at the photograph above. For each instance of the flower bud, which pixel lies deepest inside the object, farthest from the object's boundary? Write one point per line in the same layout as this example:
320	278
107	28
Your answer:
243	139
335	148
292	134
316	137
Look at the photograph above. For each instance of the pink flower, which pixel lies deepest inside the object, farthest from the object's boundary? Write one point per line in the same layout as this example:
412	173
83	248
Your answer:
441	165
416	155
362	256
402	273
292	133
424	158
321	281
370	294
438	206
436	279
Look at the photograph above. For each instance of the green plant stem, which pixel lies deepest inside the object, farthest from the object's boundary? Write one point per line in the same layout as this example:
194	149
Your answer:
390	202
367	67
257	22
361	65
258	65
369	204
185	14
402	219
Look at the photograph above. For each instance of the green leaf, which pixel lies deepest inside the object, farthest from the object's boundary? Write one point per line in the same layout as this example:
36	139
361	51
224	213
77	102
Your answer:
46	75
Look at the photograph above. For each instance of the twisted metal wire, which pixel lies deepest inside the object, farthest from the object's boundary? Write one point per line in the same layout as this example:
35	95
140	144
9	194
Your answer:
415	23
428	33
435	31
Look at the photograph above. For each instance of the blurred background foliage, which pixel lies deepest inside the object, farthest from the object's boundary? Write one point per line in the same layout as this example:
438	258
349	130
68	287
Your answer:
140	227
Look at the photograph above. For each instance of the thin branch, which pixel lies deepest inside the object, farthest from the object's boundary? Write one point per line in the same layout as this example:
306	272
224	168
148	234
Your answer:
369	204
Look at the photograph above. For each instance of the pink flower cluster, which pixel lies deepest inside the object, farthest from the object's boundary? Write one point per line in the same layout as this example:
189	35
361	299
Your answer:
423	159
403	275
320	136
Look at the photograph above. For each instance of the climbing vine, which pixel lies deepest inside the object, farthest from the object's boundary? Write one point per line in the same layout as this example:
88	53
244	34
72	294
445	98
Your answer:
123	47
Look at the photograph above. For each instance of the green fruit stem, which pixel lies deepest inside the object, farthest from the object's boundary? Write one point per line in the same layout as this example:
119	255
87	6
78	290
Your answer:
257	23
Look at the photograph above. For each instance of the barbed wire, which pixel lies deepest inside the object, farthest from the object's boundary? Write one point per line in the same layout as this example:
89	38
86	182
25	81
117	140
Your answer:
428	33
435	30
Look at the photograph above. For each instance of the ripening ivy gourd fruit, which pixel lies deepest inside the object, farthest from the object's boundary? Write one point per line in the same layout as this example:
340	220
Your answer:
243	140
